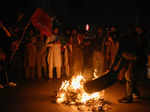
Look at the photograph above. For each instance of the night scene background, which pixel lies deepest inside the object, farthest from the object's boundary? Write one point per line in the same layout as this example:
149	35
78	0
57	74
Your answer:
38	94
82	11
77	12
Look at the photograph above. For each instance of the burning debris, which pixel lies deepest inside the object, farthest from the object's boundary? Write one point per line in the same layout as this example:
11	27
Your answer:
72	92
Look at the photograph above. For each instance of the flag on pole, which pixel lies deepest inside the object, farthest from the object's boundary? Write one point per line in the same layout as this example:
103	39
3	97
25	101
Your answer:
42	22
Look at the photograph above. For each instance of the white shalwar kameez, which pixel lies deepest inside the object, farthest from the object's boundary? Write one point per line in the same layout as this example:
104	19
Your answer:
55	59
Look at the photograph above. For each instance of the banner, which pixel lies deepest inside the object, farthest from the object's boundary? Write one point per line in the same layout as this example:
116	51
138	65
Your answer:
42	22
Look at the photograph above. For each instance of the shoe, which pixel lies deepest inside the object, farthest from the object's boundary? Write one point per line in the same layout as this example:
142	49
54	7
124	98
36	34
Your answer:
58	78
128	99
136	96
12	84
1	86
50	77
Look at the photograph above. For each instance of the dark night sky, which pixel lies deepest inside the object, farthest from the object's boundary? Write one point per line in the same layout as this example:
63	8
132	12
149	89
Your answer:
82	11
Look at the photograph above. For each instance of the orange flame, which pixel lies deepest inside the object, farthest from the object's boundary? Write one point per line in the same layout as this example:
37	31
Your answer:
76	85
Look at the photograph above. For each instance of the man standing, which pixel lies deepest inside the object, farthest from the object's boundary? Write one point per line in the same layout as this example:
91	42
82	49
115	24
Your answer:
126	59
41	57
54	55
98	54
67	54
30	59
2	67
142	53
77	55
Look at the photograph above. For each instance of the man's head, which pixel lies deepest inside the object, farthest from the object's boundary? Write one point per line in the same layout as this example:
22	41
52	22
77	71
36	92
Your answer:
74	32
56	30
1	49
100	30
139	30
113	29
33	40
31	32
67	31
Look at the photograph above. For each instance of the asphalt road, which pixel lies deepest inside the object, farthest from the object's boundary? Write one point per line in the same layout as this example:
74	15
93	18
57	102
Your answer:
39	96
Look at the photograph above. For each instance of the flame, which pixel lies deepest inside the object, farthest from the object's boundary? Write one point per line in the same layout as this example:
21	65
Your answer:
86	97
76	82
95	74
72	91
61	99
64	85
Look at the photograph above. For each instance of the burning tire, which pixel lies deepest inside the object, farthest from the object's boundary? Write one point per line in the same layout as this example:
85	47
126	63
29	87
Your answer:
101	83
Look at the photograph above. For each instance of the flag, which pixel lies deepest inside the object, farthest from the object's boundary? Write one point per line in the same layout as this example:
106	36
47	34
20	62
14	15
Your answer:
42	21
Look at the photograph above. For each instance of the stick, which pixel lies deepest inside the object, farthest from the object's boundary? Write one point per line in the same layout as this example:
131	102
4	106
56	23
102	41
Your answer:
6	30
22	37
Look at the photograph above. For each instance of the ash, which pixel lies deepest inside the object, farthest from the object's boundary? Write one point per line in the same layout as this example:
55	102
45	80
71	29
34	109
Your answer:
91	106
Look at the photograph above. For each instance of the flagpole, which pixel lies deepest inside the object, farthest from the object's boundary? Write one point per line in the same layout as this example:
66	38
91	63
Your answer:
5	29
26	27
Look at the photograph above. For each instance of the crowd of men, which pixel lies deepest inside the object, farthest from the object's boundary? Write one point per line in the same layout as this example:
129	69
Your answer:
72	52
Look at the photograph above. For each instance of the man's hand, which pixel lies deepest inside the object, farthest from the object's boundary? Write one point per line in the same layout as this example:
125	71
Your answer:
49	45
121	74
129	56
1	23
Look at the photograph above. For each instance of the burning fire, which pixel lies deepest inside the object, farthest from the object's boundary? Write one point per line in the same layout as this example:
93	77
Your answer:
72	92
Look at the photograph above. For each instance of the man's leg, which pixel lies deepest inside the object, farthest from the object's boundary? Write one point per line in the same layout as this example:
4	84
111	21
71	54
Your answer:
128	96
50	66
135	91
67	70
50	72
129	80
33	73
130	84
1	79
39	69
45	70
58	70
27	72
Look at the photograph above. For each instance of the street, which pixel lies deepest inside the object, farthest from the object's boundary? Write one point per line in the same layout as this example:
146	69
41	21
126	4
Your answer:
39	96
